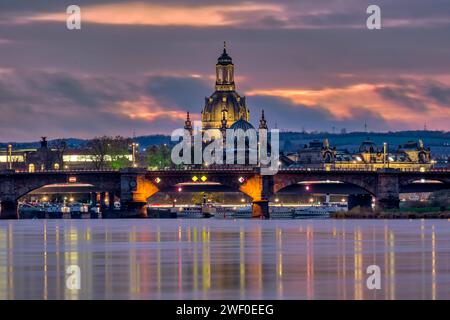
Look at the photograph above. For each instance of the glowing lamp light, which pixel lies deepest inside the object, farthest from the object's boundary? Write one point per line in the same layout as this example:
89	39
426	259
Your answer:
311	200
241	179
242	200
72	179
277	200
179	189
307	188
203	178
71	199
158	180
195	178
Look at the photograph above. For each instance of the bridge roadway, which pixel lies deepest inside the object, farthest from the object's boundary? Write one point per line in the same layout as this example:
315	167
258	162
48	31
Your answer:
135	185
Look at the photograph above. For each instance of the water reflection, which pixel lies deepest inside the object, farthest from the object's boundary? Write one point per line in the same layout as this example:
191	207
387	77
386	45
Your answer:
213	259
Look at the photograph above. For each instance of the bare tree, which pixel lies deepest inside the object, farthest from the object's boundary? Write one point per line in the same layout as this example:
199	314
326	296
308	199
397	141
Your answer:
98	148
61	146
109	152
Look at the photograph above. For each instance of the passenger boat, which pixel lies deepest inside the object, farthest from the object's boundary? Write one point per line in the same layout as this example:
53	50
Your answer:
28	211
190	212
282	212
94	213
65	210
161	213
52	211
224	212
243	212
312	212
209	210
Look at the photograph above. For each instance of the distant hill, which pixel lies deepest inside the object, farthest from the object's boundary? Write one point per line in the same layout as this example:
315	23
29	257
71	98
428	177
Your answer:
438	141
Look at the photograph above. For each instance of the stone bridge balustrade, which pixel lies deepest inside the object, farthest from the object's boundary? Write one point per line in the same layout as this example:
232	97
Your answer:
135	186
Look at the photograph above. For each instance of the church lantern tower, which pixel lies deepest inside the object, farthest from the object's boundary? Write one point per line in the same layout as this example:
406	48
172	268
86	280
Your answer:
225	72
225	99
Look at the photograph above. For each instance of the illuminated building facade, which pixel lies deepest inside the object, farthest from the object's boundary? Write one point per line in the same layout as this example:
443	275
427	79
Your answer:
318	154
48	158
225	106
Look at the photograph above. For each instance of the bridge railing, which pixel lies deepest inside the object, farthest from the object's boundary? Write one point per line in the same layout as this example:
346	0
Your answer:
235	170
66	171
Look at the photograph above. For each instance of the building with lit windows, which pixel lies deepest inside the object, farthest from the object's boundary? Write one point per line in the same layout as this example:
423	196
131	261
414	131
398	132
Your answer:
225	108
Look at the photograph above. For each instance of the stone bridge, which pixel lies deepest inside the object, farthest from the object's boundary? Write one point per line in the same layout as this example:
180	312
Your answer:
134	185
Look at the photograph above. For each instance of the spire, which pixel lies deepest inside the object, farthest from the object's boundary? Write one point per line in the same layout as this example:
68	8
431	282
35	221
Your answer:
225	47
188	123
262	121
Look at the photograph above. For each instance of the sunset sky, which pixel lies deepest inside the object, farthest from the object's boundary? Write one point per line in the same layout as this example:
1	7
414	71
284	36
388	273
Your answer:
140	65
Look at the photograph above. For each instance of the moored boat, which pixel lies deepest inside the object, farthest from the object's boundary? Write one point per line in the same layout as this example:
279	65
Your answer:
282	212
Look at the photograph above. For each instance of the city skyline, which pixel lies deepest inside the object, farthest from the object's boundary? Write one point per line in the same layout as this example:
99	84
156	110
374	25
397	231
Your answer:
138	67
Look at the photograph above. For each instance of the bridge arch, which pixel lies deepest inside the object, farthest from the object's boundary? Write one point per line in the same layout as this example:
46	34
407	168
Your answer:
235	182
26	183
423	184
367	182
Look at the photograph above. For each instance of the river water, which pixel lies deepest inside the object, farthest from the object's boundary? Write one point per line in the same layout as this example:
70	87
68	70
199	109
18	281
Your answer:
224	259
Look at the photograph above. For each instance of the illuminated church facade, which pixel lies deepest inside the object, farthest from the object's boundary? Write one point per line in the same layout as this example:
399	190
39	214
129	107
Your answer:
225	108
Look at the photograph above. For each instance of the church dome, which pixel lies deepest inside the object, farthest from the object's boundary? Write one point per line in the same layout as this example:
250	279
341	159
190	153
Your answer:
225	101
242	124
219	102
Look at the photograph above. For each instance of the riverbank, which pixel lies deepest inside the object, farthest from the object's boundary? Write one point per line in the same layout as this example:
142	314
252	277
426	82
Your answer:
391	215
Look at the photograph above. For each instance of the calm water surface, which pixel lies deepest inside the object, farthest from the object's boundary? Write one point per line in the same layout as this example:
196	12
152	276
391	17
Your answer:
224	259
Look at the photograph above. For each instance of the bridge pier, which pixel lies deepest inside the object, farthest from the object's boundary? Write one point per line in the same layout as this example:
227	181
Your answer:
359	200
390	203
135	189
259	188
388	190
9	209
133	209
260	209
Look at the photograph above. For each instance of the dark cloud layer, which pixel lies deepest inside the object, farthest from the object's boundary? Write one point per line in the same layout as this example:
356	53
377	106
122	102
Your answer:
113	79
299	117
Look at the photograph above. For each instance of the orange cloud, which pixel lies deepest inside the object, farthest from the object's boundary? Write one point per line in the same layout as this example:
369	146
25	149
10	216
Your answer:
146	108
344	102
140	13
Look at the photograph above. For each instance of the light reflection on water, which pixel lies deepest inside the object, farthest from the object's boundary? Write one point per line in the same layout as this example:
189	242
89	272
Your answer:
223	259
